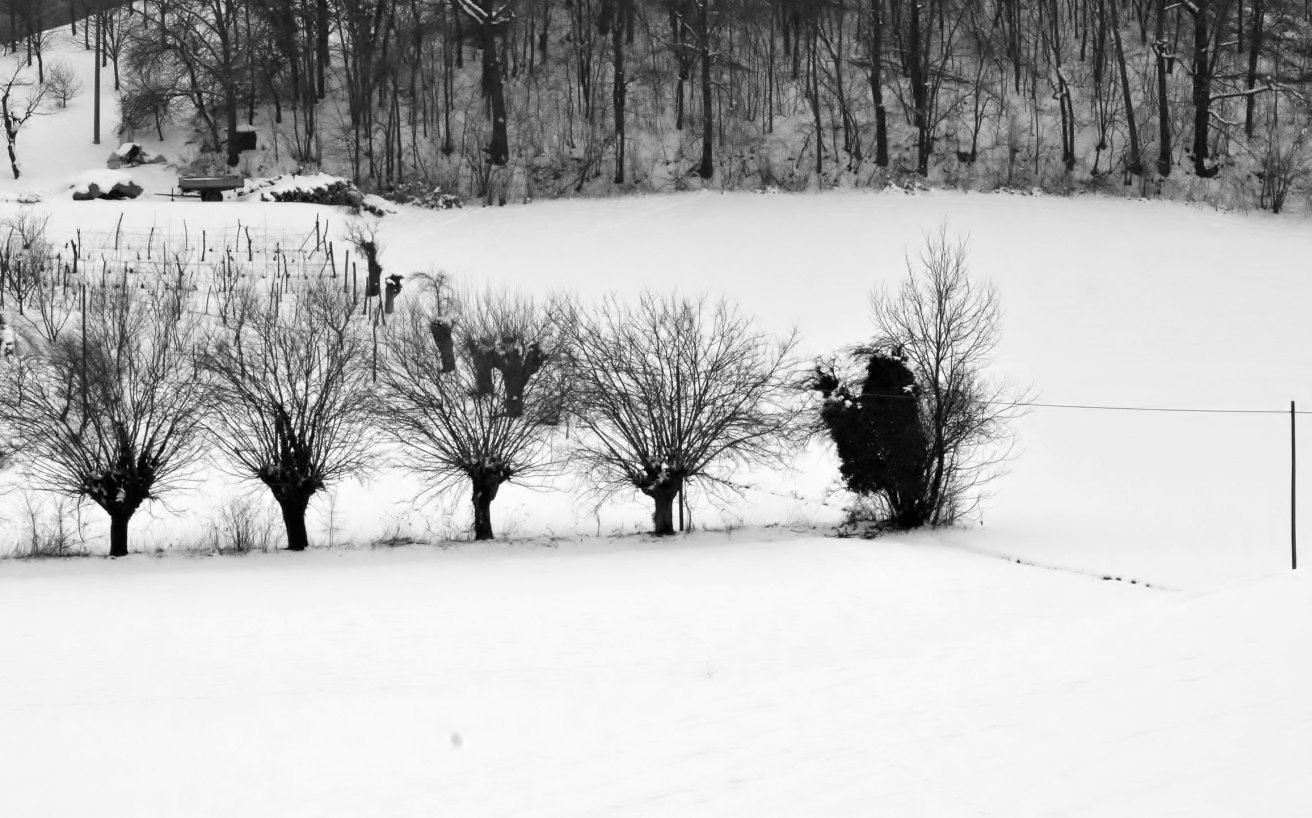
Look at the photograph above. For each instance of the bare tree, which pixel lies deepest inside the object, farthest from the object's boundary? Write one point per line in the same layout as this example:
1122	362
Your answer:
39	43
475	386
200	49
20	100
292	378
154	90
673	391
945	326
61	83
114	413
26	258
29	279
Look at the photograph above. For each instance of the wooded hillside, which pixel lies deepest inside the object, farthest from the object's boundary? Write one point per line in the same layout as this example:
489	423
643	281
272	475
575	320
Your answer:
509	98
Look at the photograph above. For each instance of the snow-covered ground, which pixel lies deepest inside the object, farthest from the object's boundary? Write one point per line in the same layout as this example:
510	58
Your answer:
718	675
750	671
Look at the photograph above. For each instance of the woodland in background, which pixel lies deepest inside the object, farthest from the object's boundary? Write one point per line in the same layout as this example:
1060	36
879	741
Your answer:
515	99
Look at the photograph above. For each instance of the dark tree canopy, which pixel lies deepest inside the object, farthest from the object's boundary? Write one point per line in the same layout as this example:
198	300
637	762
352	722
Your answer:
882	446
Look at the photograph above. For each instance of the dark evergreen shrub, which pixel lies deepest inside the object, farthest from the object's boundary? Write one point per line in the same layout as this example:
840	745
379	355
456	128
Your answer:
882	445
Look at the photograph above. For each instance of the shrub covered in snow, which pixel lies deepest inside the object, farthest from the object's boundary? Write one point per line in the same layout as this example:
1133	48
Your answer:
421	194
320	189
132	154
105	184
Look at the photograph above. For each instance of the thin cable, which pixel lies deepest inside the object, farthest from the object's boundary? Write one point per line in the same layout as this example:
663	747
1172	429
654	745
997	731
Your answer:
1100	408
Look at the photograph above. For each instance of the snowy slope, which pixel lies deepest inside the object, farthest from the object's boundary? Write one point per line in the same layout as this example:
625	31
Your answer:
715	676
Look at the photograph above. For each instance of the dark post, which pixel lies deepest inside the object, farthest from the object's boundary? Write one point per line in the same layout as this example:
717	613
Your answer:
1293	495
85	405
95	138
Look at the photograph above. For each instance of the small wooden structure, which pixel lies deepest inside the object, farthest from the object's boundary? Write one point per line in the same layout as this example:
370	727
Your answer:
209	188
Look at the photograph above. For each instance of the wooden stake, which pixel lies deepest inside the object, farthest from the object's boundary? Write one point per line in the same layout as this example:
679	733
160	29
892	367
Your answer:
1293	494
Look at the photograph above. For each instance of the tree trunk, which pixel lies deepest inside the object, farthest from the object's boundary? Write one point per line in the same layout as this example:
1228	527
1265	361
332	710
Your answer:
707	168
293	518
917	64
322	51
1134	165
619	89
499	149
231	103
877	81
681	61
813	95
11	132
1202	88
1163	104
484	492
118	533
1255	49
663	517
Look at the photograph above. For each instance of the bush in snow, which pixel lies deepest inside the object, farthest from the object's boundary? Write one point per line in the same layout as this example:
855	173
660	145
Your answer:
26	257
242	526
934	336
61	83
421	194
883	448
51	529
321	189
1284	161
675	391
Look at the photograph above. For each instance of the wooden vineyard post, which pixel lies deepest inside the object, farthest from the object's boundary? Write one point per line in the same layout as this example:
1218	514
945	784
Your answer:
85	409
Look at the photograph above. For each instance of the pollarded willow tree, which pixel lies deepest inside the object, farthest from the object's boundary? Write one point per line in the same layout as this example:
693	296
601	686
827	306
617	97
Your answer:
294	398
674	390
475	387
114	412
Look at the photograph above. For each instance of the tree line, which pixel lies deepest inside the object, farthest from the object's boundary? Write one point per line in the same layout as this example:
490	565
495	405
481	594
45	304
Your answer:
113	392
573	95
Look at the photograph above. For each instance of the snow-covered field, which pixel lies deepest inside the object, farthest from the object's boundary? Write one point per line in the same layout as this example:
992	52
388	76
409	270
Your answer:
755	671
744	675
718	675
